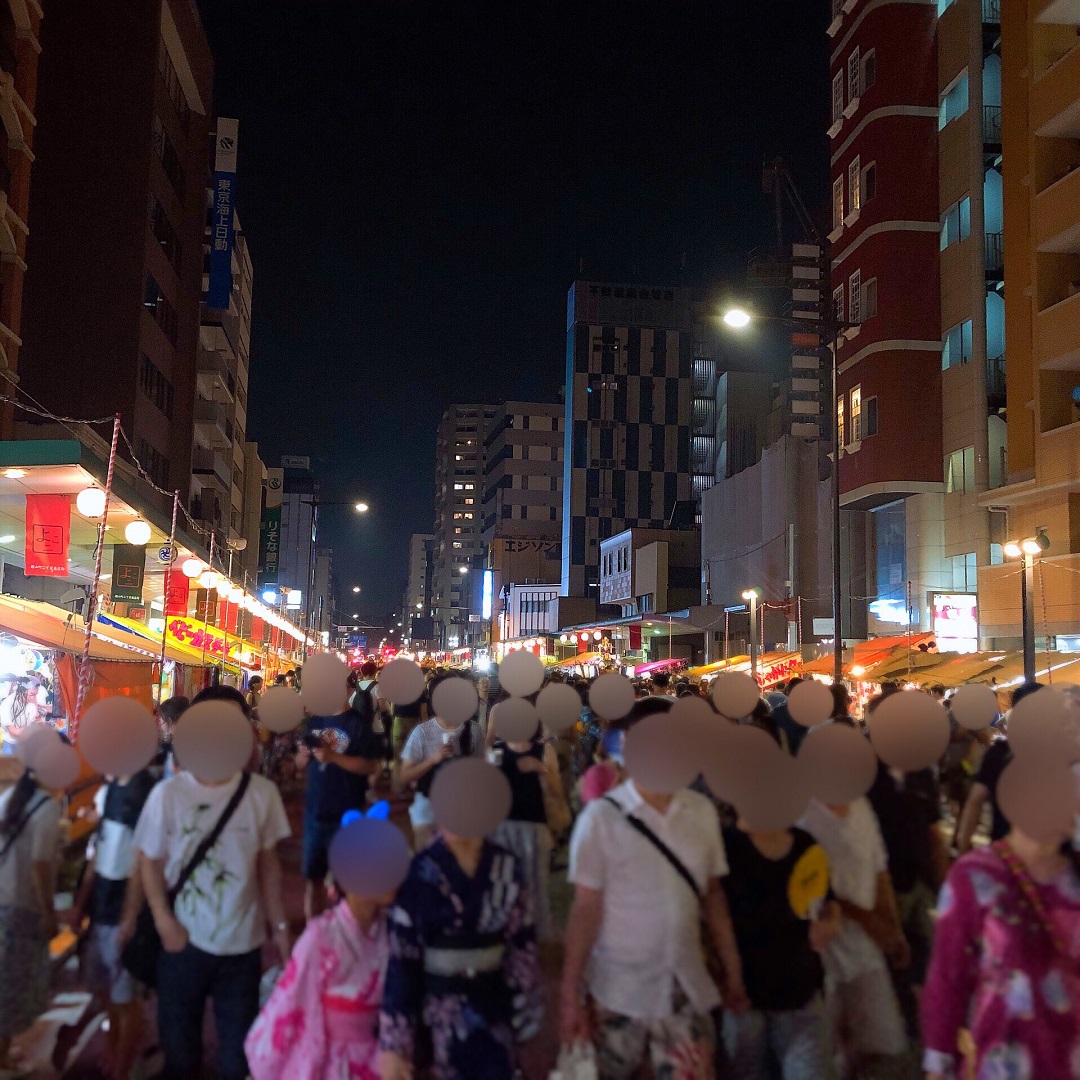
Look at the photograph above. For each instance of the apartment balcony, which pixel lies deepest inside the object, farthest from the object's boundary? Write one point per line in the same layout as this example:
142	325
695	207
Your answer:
991	12
995	256
214	377
1055	99
1057	332
992	127
213	424
211	466
1057	215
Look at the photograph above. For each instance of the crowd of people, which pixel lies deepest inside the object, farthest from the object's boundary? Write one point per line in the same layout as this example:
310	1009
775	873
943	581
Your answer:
886	936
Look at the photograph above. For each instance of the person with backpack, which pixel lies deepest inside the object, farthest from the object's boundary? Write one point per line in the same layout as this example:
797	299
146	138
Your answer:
111	895
340	754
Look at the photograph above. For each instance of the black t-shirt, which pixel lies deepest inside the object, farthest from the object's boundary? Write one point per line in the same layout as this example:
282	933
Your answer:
780	969
997	756
527	795
331	790
906	811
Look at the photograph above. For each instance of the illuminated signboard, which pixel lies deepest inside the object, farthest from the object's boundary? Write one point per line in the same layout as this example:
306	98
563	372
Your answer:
955	621
486	600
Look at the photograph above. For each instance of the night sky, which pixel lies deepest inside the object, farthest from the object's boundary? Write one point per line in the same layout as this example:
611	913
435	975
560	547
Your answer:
420	182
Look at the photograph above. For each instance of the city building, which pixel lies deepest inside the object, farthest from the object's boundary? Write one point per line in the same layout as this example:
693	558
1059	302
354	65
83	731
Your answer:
650	571
323	602
916	262
527	618
522	503
117	213
298	518
20	45
459	543
223	364
631	395
255	481
1040	140
416	600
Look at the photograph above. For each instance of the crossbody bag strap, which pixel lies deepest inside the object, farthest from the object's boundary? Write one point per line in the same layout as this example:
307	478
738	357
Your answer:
672	858
28	813
210	839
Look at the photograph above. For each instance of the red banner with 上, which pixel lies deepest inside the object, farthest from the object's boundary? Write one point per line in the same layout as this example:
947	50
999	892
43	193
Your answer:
48	532
176	602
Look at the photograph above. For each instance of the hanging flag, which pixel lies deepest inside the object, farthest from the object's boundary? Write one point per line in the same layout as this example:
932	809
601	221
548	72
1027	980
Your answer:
178	597
256	634
48	533
229	619
635	638
129	568
221	221
206	606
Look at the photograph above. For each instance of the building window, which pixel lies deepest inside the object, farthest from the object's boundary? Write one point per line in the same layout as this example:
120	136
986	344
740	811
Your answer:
853	72
855	298
170	160
964	572
868	75
164	233
869	299
162	311
840	421
154	462
856	414
960	470
838	303
869	182
838	97
870	417
172	85
954	101
155	386
854	177
956	223
956	346
838	203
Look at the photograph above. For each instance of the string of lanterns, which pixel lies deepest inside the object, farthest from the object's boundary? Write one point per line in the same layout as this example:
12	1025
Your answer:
90	502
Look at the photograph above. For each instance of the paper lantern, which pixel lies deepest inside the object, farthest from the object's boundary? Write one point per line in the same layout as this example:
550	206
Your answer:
91	502
137	533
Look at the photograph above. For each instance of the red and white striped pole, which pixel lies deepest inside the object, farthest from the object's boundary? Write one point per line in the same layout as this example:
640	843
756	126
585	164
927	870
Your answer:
165	598
85	671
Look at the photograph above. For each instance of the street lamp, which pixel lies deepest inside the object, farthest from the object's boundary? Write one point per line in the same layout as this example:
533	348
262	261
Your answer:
753	595
739	319
361	507
1027	549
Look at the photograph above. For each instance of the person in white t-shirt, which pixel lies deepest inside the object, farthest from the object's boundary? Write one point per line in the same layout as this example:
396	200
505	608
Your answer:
212	941
633	939
865	1011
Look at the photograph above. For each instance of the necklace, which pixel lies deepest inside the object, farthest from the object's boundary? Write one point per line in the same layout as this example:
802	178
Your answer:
1030	893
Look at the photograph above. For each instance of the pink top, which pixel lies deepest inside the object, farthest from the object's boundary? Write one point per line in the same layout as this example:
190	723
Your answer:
321	1020
997	970
598	781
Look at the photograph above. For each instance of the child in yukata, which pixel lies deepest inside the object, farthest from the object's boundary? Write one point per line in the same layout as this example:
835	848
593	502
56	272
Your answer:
321	1021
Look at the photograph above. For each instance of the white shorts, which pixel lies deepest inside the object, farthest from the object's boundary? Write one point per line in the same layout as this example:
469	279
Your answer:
866	1016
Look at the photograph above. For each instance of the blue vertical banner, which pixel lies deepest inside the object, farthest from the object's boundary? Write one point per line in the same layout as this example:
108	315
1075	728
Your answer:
221	215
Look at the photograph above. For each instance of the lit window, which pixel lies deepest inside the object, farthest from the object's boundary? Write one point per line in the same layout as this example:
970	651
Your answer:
854	174
956	346
956	223
960	470
840	421
954	101
856	414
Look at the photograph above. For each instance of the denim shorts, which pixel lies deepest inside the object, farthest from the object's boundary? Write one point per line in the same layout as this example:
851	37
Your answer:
317	837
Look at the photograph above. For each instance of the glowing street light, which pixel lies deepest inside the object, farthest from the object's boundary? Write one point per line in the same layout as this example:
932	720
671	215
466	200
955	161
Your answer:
361	507
737	318
1027	549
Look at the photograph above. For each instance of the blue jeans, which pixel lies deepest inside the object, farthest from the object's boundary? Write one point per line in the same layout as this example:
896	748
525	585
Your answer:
185	980
800	1041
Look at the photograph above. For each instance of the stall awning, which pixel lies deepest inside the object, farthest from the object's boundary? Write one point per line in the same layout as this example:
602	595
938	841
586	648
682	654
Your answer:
581	660
658	665
717	666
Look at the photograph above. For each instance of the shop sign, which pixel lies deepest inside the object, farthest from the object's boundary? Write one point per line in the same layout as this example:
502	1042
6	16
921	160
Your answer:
779	671
176	599
167	554
269	545
129	565
48	532
206	606
221	222
195	637
955	621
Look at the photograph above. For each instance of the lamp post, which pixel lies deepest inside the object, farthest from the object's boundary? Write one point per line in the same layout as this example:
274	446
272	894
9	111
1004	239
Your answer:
309	586
752	596
740	319
1027	549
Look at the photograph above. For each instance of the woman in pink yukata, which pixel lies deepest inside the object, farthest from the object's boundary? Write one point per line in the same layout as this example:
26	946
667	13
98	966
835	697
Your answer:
1006	964
321	1021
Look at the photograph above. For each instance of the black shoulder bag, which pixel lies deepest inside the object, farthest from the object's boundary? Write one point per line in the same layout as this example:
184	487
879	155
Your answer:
712	957
140	955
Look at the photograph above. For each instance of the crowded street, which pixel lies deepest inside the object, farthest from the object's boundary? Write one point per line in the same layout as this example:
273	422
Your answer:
540	541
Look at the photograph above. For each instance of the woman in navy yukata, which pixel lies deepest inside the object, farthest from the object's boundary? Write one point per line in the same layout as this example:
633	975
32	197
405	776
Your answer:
463	964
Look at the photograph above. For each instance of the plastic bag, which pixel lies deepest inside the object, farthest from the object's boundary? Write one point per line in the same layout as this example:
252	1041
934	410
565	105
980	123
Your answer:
577	1062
